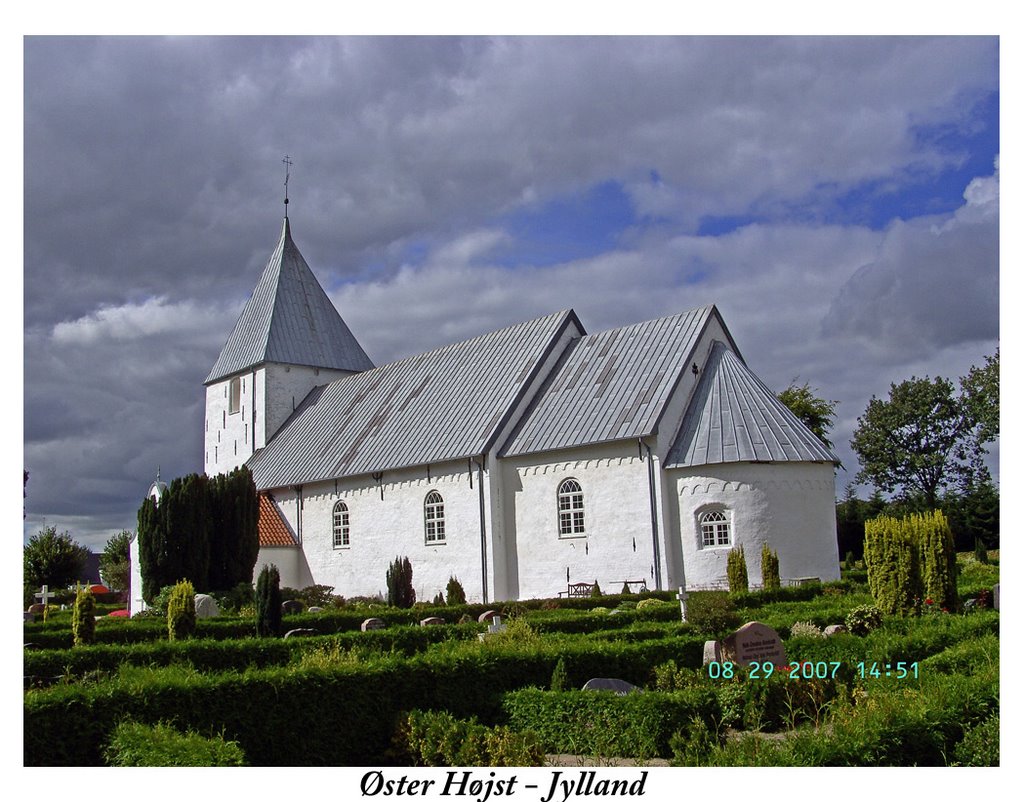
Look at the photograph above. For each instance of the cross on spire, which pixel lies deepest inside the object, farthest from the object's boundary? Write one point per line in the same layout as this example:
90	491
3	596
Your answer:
287	162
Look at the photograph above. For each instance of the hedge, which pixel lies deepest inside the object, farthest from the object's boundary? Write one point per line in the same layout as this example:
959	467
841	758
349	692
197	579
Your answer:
637	725
297	715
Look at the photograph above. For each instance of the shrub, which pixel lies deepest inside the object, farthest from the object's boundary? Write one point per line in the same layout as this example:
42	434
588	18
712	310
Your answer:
980	552
770	579
438	600
399	581
234	600
862	620
737	571
595	592
980	746
316	595
455	592
560	676
181	611
83	620
268	602
892	557
938	558
805	629
849	563
437	738
160	744
712	612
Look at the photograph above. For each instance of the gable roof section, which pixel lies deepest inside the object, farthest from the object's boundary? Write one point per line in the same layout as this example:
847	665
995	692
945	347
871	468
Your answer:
734	417
289	319
270	526
612	385
445	404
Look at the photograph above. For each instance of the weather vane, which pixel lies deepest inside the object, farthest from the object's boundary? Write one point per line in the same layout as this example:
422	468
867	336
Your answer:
287	162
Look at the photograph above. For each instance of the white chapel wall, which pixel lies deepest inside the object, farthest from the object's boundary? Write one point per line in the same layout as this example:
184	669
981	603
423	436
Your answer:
791	506
617	545
381	529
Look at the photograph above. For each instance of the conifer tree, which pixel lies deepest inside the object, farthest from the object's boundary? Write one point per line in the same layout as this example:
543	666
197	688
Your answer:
399	581
181	611
456	594
770	579
736	570
268	602
83	618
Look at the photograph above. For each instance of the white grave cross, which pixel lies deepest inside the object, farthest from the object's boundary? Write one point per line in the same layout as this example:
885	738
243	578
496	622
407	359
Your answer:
496	626
682	595
44	595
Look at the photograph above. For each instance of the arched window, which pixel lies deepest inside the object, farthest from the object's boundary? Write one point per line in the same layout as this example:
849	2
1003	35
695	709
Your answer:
341	525
714	528
433	517
570	509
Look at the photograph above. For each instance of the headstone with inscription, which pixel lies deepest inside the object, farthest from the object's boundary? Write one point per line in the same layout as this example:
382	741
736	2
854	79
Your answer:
712	652
485	618
291	607
206	606
834	629
293	633
431	621
372	623
754	642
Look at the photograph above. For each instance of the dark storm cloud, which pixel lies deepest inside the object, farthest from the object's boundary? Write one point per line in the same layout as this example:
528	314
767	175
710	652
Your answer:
153	189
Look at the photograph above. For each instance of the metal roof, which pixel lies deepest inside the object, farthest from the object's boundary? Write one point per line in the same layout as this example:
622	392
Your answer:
734	417
445	404
611	385
289	319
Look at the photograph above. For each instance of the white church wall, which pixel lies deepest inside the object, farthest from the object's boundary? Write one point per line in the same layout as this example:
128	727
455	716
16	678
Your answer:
617	545
228	438
381	529
136	604
503	479
286	386
290	563
791	506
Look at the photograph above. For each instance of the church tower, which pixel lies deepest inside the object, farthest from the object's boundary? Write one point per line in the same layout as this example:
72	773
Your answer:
288	339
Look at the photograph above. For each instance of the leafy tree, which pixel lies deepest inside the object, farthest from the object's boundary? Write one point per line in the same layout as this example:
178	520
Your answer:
816	413
980	389
268	602
399	581
114	567
53	559
920	441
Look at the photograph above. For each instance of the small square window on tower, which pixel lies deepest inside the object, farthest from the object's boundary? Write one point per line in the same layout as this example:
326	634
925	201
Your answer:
235	396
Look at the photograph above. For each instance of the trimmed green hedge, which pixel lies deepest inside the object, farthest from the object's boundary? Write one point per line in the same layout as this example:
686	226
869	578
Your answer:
297	715
161	745
600	723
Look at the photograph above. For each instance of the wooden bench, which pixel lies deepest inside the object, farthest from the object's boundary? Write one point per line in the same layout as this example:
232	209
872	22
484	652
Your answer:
578	590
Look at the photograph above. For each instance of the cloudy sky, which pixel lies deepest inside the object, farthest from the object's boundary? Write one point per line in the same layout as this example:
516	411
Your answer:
838	199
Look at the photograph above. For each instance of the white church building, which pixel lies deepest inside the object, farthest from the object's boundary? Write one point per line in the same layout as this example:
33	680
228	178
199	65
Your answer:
519	461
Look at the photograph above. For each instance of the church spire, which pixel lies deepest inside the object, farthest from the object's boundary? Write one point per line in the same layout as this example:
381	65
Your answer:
287	162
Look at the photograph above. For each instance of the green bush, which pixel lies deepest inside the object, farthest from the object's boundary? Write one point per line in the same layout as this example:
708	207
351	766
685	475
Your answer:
560	677
455	592
399	581
892	556
736	569
437	738
712	612
980	552
160	744
980	746
268	602
770	579
595	592
181	611
83	621
862	620
638	725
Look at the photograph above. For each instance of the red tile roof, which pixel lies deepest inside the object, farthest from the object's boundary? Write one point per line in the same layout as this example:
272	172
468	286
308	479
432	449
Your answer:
273	530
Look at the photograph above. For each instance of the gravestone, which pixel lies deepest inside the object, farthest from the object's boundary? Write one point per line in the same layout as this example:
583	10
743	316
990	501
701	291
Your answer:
431	621
316	609
296	632
485	618
206	606
495	627
712	652
37	608
372	623
682	595
834	629
617	686
291	607
752	642
30	616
